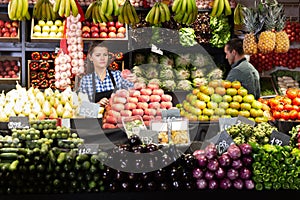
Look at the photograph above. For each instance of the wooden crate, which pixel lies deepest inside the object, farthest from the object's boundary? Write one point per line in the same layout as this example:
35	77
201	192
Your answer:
5	18
19	61
41	39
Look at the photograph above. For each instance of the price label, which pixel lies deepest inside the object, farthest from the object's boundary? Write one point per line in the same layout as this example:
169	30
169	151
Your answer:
157	50
279	138
171	113
18	122
245	120
88	109
222	141
149	136
88	149
226	123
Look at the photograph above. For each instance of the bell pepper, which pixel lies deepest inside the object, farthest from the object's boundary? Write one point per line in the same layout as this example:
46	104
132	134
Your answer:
53	55
35	55
50	73
114	65
46	55
33	66
44	66
119	56
52	83
41	75
44	83
35	83
33	75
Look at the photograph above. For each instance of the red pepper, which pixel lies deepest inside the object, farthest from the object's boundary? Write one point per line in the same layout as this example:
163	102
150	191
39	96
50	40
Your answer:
44	66
50	73
53	55
35	83
41	75
35	55
119	56
44	83
114	65
34	66
52	83
45	55
33	75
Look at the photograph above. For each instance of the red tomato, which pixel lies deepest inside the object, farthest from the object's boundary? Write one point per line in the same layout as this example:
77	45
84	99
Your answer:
293	114
279	107
296	101
288	107
284	115
277	115
296	107
292	93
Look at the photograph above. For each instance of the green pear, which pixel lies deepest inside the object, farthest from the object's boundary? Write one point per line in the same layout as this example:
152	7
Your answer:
36	107
46	108
60	110
67	114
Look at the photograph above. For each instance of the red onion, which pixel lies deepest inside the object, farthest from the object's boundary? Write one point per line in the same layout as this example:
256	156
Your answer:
234	151
247	160
202	160
198	152
224	160
236	164
201	183
245	173
198	173
220	173
246	148
249	184
209	175
238	184
213	164
225	183
213	184
232	174
211	151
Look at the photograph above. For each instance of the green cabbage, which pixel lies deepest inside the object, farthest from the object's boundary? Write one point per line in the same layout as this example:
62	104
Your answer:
182	74
184	85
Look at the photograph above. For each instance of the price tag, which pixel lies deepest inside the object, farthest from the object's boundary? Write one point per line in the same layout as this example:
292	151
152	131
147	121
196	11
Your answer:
171	113
88	149
149	136
226	123
245	120
222	141
157	50
279	138
88	109
18	122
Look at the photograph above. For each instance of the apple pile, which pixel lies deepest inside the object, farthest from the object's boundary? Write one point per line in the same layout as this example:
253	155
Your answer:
103	30
9	68
222	98
142	100
48	28
9	28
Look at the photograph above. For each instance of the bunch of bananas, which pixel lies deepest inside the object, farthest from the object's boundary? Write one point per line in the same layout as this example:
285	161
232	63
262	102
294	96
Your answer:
18	10
65	8
43	10
185	11
102	10
159	13
128	14
219	6
238	16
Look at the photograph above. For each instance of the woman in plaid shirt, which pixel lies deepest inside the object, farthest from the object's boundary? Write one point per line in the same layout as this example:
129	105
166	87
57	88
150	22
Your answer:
99	82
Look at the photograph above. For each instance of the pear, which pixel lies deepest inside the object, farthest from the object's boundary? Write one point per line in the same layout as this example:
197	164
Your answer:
40	97
68	106
64	99
48	93
60	110
46	108
67	114
35	107
3	117
41	116
53	114
32	117
27	109
18	107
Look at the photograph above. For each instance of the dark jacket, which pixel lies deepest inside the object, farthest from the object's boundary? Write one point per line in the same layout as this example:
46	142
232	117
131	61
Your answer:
246	73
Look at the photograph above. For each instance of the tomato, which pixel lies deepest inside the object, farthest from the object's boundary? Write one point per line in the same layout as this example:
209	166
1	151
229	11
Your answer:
279	107
273	102
293	114
296	107
277	114
284	115
292	93
286	100
288	107
296	101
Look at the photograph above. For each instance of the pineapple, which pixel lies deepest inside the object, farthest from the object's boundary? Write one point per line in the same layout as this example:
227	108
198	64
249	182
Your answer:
282	42
250	22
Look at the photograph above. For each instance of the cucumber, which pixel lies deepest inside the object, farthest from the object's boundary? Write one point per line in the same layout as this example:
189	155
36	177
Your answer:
52	157
81	158
8	156
9	150
4	167
61	157
14	165
86	165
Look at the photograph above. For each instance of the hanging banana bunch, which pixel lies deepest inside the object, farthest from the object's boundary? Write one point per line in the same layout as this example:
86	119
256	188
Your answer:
158	14
238	16
43	10
185	11
219	7
18	10
102	11
65	8
128	14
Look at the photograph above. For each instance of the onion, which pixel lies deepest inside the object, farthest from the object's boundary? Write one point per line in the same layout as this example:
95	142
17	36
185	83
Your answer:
238	184
246	148
234	151
209	175
220	173
247	160
245	173
201	183
232	174
224	160
225	183
249	184
198	152
236	164
198	173
213	184
202	160
213	164
211	151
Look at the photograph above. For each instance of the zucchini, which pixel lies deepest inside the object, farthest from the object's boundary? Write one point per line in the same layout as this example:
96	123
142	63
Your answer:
14	165
9	150
61	157
8	156
52	157
86	165
82	157
4	167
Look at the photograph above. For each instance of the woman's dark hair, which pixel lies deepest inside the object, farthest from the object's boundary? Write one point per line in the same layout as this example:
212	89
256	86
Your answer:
235	44
88	64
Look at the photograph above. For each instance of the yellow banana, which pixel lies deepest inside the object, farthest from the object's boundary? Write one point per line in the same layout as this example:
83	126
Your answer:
156	15
25	8
96	13
116	8
135	15
48	15
214	8
120	16
55	5
227	8
74	8
88	12
130	14
126	17
167	11
52	13
109	17
11	12
185	18
241	14
19	9
236	15
67	8
27	16
110	7
61	9
220	8
178	17
189	6
104	5
175	5
162	12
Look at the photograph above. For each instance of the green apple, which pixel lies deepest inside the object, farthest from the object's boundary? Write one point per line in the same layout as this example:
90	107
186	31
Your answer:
59	34
49	23
37	34
54	28
45	34
41	23
46	28
61	29
37	28
58	22
52	34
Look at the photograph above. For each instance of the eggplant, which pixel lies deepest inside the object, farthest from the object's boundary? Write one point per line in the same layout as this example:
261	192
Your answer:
113	186
164	186
159	174
134	140
189	185
176	185
138	186
119	176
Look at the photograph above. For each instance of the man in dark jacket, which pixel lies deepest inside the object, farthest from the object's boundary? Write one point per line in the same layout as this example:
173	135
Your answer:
241	70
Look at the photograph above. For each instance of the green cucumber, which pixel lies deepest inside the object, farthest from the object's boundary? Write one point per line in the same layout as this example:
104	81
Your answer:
9	156
61	157
14	165
82	157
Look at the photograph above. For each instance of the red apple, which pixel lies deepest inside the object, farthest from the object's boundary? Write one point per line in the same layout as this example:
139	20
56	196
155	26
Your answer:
14	34
120	35
94	29
86	35
11	73
15	24
1	23
7	24
16	68
15	76
110	24
103	35
122	30
6	63
6	34
86	29
13	62
102	24
94	24
95	35
103	29
1	76
8	68
112	29
4	30
112	35
130	106
0	34
7	76
119	24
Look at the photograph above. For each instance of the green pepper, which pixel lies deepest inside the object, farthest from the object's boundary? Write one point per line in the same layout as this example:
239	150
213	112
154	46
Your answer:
269	148
286	185
290	179
266	177
259	186
281	179
276	185
288	161
268	185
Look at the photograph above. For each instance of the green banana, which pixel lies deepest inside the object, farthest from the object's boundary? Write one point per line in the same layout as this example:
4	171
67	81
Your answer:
104	4
178	17
48	15
167	11
157	14
214	8
136	17
150	15
120	16
61	9
178	8
19	9
185	18
162	12
44	12
110	7
189	6
74	8
55	5
126	17
67	8
88	12
220	8
130	14
227	8
175	5
184	6
116	8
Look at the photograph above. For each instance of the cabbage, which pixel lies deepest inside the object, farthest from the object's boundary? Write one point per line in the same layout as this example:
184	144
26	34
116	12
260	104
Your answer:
141	80
182	61
215	74
152	59
197	82
182	74
184	85
151	72
155	80
139	59
167	74
166	60
199	60
137	70
198	73
169	85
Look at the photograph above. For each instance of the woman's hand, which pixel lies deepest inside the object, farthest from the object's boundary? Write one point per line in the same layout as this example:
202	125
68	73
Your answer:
103	102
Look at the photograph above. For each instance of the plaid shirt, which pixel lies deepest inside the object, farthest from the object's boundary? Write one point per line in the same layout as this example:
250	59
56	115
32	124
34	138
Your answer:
86	83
